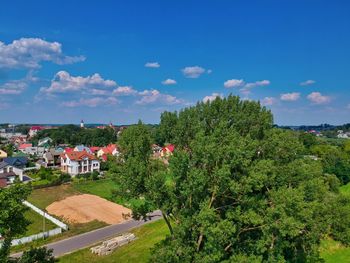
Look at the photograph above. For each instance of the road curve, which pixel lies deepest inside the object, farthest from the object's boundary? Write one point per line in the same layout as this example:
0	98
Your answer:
81	241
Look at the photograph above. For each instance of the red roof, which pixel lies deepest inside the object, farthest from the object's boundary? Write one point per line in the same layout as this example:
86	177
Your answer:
109	148
94	149
170	148
24	145
78	156
68	150
37	128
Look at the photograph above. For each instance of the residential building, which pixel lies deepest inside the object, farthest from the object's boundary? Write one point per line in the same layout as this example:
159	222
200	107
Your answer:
167	150
7	179
111	149
3	154
75	163
34	130
45	142
34	150
14	165
52	158
80	148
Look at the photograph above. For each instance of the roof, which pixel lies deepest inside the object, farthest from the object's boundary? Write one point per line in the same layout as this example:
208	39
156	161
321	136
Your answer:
36	128
5	175
109	149
16	161
81	148
68	150
94	149
78	156
170	148
24	145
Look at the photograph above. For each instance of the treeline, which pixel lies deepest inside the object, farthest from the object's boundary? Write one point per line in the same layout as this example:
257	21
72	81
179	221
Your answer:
74	135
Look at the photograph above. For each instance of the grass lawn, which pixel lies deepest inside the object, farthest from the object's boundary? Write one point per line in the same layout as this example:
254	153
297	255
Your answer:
137	251
46	196
36	225
333	252
102	188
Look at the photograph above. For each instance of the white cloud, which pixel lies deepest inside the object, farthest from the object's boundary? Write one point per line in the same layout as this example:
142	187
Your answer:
268	101
152	65
193	72
64	82
209	71
307	82
258	83
290	96
124	91
29	52
169	82
212	97
154	96
318	98
90	102
15	87
233	83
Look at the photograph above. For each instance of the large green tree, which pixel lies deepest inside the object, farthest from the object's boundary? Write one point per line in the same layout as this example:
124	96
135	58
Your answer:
236	189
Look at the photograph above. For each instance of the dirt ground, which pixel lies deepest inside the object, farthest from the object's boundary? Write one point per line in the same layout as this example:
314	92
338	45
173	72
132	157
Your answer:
85	208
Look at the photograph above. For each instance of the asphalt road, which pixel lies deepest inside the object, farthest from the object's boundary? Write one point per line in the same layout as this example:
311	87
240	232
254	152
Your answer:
81	241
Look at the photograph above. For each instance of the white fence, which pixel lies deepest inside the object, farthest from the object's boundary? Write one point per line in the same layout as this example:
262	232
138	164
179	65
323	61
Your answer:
46	215
31	238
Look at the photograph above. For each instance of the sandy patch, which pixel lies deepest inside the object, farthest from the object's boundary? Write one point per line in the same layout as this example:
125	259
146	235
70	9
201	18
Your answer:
85	208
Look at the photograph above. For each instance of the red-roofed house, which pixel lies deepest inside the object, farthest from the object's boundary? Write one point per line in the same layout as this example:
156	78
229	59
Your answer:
24	145
68	150
94	149
34	130
111	149
82	162
167	150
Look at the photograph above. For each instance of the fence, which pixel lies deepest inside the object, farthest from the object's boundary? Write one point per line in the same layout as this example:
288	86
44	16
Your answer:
31	238
46	215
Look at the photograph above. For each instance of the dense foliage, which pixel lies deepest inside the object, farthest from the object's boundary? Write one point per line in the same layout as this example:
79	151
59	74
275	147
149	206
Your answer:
74	135
236	189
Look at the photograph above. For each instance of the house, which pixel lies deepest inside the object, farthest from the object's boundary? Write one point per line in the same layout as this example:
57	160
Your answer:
52	158
156	148
76	162
68	150
80	148
34	130
33	150
24	145
94	149
111	149
167	150
7	179
14	165
45	142
3	154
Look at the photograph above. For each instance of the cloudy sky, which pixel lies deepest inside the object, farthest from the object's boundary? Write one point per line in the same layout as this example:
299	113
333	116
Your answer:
121	61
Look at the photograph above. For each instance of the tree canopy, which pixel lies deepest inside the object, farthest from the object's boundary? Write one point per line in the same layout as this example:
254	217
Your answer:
236	189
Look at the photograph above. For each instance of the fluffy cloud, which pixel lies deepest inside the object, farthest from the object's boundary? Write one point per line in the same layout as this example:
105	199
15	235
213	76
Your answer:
290	96
307	82
29	52
152	65
169	82
212	97
90	102
193	72
124	91
318	98
154	96
15	87
258	83
268	101
233	83
64	82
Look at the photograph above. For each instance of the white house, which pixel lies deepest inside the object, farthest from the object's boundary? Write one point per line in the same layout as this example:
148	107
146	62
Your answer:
82	162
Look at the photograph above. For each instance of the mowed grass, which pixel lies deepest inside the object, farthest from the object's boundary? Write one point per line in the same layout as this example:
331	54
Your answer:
137	251
102	188
36	225
45	196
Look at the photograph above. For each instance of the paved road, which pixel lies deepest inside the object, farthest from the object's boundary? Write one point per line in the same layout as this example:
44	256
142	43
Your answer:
78	242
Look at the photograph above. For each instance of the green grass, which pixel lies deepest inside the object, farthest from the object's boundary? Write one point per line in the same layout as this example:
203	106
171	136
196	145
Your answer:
46	196
36	225
137	251
102	188
333	252
345	189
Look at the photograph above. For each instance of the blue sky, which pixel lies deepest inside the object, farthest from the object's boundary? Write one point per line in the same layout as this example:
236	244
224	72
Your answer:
121	61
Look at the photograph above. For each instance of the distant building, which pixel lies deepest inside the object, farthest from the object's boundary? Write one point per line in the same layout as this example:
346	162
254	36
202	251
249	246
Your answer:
82	124
75	163
34	130
111	149
45	142
167	150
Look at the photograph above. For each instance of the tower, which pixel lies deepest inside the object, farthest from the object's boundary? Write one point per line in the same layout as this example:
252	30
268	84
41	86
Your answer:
82	124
